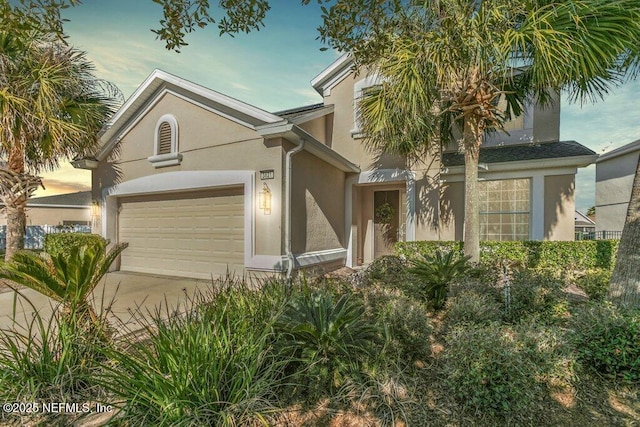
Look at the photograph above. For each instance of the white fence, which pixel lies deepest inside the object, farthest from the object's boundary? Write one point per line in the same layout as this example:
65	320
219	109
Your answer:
34	237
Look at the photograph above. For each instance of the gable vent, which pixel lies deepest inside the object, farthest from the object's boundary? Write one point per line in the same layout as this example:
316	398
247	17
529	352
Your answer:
164	138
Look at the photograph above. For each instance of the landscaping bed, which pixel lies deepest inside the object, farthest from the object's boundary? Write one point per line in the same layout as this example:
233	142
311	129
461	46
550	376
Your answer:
354	348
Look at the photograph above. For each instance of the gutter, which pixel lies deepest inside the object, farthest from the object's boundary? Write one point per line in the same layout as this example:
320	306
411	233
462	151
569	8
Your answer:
287	219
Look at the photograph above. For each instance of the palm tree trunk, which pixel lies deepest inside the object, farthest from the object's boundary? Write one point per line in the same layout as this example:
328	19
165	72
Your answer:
473	130
624	290
16	227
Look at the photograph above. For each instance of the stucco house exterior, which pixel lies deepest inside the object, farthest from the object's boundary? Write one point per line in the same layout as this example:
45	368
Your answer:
615	171
198	182
61	209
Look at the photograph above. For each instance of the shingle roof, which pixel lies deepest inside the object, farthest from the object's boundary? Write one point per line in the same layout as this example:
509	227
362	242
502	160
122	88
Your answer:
513	153
81	198
298	111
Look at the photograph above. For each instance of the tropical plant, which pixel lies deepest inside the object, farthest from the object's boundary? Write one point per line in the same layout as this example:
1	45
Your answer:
624	289
207	362
328	338
435	274
68	278
52	107
450	65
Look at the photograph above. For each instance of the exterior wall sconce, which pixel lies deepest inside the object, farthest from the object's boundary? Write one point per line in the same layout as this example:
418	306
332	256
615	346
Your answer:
95	209
265	199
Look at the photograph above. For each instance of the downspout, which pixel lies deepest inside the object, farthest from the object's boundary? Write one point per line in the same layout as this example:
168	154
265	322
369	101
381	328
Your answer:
287	215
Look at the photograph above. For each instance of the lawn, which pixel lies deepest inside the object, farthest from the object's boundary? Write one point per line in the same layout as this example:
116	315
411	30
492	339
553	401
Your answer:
367	348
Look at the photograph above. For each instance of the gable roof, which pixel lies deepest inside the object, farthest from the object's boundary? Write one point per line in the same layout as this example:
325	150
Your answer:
333	74
582	219
160	82
81	199
620	151
514	153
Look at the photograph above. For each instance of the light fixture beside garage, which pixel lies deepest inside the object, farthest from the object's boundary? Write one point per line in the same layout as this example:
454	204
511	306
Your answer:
265	199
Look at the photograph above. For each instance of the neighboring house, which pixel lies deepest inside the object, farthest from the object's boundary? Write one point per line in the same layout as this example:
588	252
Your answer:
61	209
615	171
585	226
203	182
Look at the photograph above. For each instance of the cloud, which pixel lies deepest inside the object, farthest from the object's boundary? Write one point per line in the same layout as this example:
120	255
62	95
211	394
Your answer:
239	86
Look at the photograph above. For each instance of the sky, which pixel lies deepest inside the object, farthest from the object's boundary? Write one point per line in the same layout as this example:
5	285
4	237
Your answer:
272	69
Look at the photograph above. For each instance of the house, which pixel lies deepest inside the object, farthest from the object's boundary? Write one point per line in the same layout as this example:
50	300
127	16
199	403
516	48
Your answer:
585	227
61	209
615	171
202	182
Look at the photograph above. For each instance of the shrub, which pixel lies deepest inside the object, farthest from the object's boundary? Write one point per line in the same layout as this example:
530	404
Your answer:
328	338
406	320
535	293
595	283
502	370
435	274
49	359
62	243
558	255
608	340
473	308
388	268
208	363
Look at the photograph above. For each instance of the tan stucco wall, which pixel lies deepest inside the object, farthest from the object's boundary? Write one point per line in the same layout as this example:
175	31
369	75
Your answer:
452	211
318	128
317	205
559	207
343	122
53	216
614	180
206	141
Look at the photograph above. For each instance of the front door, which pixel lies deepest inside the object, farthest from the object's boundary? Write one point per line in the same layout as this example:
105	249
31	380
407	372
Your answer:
386	221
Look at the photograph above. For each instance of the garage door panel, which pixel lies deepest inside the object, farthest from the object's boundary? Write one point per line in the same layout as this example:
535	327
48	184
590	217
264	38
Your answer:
193	235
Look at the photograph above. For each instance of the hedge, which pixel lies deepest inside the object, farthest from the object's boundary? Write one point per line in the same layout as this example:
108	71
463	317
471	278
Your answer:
55	244
580	255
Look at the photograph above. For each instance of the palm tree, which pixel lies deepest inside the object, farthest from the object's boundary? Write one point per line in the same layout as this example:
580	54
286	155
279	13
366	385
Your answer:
447	64
51	107
624	289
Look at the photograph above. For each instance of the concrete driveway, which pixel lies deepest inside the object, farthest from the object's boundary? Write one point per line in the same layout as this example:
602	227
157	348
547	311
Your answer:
125	292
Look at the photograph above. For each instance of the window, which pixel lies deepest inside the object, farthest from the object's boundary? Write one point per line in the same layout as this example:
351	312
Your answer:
359	90
165	145
504	209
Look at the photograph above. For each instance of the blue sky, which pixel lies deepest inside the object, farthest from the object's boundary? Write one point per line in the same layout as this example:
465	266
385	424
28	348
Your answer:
272	69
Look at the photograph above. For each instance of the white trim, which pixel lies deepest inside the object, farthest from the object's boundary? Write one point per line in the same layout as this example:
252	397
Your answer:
148	90
492	174
36	205
382	176
332	75
173	125
319	257
536	209
358	89
632	147
176	182
162	160
548	164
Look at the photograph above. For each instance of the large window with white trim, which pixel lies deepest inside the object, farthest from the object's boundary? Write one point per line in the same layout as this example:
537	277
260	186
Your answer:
505	209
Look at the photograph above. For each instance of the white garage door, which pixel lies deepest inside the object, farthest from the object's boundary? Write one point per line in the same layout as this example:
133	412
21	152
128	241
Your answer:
186	235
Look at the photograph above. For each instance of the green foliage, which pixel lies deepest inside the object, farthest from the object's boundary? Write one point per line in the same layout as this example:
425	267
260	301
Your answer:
501	370
535	293
328	338
207	363
435	273
608	340
405	319
558	255
62	243
49	359
471	307
68	277
595	283
387	268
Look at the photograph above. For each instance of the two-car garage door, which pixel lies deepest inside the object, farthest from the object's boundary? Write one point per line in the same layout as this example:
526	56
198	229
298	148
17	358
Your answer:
186	234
